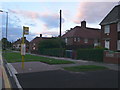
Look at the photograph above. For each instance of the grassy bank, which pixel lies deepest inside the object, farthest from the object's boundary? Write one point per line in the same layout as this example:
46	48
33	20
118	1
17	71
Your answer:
12	57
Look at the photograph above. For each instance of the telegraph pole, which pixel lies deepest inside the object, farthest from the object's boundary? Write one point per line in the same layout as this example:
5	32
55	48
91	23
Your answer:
60	22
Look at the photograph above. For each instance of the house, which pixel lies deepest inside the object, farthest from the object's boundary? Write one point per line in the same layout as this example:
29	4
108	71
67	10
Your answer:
110	29
82	37
35	42
17	44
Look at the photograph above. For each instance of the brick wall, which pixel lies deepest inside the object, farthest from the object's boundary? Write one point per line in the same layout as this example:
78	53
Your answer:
113	36
111	57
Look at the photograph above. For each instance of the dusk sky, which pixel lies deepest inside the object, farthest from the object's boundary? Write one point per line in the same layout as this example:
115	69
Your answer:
43	17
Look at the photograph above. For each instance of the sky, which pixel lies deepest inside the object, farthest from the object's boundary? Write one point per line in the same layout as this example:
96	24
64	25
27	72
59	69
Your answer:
43	17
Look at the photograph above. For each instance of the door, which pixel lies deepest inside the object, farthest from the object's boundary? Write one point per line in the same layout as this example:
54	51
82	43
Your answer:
107	44
118	45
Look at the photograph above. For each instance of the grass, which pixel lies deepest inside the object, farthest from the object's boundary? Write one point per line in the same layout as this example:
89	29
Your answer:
12	57
84	68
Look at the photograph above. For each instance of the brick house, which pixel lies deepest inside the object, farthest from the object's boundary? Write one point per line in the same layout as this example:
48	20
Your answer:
17	44
35	42
110	29
82	37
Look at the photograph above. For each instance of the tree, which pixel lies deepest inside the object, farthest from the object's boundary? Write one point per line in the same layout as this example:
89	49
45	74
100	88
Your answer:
5	43
51	43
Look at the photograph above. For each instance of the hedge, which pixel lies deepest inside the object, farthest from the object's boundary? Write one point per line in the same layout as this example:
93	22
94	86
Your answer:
59	52
90	54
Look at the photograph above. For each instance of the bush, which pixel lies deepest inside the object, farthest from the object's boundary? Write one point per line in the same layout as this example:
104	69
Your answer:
91	54
52	47
59	52
51	43
100	47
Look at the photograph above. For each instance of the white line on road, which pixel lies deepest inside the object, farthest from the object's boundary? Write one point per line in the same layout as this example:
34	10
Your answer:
13	71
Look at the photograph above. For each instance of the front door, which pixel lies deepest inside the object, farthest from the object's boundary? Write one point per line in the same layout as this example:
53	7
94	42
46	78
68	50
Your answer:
118	45
107	44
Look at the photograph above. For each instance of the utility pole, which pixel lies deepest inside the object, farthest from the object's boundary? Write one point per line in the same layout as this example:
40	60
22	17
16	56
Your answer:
60	22
6	26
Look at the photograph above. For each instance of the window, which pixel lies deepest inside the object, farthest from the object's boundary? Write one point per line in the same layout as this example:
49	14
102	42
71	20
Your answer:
96	43
33	48
34	44
78	39
107	29
75	39
85	40
118	27
66	40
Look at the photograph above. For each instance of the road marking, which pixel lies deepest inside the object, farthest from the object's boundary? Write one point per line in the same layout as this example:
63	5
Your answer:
9	70
5	78
13	71
12	68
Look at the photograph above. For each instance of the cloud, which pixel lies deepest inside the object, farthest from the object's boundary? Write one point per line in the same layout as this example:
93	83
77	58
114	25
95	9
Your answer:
14	31
92	12
50	20
26	14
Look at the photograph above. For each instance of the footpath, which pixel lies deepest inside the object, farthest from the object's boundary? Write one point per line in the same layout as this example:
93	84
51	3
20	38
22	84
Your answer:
39	66
84	62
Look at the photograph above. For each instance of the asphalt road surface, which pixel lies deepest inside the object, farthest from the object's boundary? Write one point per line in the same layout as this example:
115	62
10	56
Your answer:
66	79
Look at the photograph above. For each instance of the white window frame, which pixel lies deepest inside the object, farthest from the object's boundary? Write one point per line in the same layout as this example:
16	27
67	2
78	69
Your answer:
107	42
118	26
107	29
118	45
33	44
96	42
75	39
85	40
78	39
34	48
66	40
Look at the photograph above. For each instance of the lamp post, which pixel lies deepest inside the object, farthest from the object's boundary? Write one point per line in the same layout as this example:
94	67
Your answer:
6	23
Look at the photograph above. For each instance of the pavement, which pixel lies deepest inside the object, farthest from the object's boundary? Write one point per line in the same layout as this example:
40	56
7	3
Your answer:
39	66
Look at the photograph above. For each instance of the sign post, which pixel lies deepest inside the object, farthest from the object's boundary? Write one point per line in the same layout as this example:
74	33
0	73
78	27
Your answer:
23	46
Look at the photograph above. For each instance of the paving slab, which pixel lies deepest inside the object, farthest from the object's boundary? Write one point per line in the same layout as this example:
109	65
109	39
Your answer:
33	67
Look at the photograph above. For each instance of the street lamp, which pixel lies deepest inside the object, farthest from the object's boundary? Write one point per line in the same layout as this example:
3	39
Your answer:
6	23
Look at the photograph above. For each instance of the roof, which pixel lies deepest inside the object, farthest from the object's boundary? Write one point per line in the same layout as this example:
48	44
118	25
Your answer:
83	32
20	41
37	39
112	17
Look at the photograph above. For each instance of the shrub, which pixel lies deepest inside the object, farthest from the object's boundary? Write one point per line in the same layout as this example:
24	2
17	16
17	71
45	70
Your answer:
100	47
90	54
59	52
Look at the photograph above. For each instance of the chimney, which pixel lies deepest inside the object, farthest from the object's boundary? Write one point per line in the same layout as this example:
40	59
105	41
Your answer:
83	24
40	35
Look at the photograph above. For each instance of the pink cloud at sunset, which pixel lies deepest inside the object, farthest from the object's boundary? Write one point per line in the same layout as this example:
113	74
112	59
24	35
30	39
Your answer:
92	12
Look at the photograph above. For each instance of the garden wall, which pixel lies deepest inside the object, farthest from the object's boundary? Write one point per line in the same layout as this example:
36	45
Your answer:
111	57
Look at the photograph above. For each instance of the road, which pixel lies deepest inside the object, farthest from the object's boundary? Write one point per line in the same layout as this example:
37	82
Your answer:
65	79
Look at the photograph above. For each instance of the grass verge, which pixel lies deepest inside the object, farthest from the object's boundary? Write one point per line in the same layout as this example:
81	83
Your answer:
16	57
84	68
